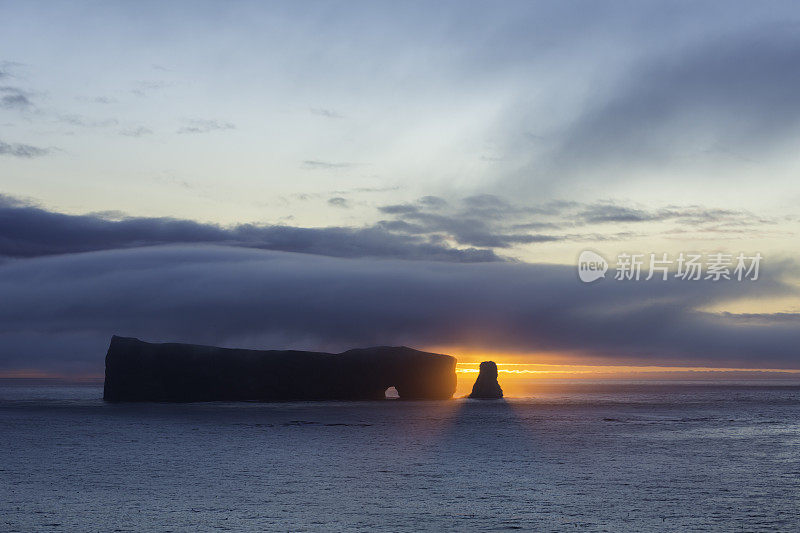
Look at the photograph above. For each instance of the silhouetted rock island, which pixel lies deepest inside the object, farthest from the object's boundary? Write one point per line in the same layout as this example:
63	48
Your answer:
486	386
143	371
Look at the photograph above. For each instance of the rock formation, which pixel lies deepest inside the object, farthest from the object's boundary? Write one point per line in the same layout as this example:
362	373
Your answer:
486	386
142	371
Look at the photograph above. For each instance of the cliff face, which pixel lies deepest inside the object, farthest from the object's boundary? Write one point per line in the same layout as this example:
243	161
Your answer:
142	371
486	386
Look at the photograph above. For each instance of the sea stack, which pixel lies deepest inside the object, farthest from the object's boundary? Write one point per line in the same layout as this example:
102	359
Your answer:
486	386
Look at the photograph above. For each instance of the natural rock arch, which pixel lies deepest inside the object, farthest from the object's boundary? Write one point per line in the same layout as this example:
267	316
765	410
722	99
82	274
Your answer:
142	371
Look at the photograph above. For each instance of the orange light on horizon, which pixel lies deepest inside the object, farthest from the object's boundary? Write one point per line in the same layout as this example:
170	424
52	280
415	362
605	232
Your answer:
534	369
522	379
543	363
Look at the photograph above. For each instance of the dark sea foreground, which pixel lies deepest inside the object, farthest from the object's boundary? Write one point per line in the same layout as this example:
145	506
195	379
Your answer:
598	457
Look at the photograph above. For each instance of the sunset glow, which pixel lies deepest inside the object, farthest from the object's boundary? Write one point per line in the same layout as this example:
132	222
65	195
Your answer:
385	266
522	379
534	370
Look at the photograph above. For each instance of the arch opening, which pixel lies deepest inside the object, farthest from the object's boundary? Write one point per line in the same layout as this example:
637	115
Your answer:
392	394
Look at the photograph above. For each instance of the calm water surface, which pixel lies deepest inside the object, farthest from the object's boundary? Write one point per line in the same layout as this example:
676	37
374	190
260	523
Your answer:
592	456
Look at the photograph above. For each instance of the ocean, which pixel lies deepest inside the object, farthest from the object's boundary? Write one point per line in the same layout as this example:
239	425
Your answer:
570	456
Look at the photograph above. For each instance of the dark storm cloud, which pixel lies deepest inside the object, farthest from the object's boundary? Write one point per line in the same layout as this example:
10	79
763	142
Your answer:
738	94
27	231
205	126
59	312
22	150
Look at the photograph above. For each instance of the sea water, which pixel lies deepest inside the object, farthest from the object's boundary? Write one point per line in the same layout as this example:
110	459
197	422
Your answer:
611	456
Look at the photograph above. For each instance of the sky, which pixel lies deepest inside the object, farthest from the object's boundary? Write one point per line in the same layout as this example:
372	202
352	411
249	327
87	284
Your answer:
323	175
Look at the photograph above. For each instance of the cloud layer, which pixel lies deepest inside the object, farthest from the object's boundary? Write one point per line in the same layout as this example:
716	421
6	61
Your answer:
493	222
473	229
57	313
29	231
